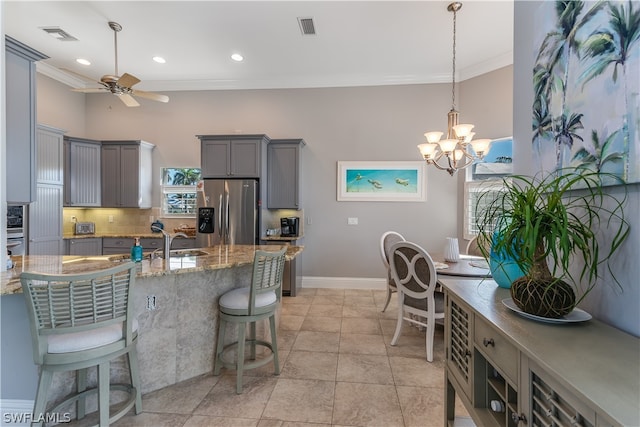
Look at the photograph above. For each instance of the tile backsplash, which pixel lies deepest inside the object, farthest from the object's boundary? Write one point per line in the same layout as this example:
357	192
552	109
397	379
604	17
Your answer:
124	221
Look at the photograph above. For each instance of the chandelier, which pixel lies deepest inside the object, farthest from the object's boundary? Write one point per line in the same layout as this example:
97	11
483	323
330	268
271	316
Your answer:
459	150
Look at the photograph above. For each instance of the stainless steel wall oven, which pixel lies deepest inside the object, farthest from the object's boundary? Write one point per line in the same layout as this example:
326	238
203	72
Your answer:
15	229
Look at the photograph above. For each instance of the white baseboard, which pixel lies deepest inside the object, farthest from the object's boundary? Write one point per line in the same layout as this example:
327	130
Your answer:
13	412
344	283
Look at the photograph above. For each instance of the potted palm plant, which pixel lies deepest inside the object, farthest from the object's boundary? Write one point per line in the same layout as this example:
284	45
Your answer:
546	226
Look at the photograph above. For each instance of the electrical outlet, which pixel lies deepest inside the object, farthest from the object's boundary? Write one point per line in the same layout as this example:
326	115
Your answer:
352	221
151	302
110	218
73	219
150	219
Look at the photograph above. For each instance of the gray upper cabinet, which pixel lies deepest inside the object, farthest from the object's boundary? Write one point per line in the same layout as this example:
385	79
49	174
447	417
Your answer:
232	156
82	178
126	174
283	173
20	98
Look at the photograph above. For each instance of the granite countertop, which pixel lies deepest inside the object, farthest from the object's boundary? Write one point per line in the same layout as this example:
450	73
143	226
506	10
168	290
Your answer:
218	257
119	235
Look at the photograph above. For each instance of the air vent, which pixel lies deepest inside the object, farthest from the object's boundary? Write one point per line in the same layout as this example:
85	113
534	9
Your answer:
58	33
307	26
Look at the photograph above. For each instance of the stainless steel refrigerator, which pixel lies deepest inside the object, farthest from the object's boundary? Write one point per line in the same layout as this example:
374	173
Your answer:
227	212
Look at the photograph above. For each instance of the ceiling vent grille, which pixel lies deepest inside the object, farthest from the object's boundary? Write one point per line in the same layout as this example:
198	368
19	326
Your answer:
59	34
307	26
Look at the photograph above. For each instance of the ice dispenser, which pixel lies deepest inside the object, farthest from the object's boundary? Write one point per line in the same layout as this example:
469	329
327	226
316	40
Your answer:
205	220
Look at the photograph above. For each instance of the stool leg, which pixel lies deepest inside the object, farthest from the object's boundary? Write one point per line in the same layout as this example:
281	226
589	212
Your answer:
81	385
240	356
274	344
252	339
135	376
217	363
103	393
41	395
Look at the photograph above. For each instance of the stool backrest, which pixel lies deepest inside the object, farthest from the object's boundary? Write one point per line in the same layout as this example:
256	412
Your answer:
268	270
68	303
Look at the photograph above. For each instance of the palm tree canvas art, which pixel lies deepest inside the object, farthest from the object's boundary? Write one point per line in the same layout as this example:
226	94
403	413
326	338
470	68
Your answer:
586	79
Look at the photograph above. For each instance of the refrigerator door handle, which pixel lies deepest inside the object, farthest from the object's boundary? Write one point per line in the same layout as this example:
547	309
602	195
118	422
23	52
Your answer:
226	225
220	216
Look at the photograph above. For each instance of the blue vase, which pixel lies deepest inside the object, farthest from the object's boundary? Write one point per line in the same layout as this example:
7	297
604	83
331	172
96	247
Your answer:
504	269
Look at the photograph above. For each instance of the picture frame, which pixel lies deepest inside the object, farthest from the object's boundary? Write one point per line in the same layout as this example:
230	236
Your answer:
381	181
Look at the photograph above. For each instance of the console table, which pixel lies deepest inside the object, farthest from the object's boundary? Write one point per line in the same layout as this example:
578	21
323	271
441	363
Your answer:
512	371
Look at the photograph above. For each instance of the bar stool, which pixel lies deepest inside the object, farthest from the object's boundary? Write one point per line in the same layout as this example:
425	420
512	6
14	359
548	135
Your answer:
79	321
247	305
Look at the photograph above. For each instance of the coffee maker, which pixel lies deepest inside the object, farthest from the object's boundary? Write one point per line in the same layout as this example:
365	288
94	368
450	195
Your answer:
289	226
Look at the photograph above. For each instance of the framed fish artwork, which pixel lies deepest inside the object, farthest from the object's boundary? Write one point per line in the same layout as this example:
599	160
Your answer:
381	181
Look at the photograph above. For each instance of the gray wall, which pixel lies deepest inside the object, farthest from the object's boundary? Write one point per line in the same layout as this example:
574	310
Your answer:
607	302
356	123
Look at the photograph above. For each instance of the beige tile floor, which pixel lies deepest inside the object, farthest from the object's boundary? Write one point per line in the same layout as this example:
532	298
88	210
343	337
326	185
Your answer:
337	369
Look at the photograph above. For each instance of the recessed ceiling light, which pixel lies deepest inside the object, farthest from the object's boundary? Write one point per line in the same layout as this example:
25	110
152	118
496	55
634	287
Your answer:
159	59
237	57
83	61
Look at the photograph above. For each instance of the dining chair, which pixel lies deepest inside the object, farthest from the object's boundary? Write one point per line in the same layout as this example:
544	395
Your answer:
387	240
414	274
79	321
245	306
474	245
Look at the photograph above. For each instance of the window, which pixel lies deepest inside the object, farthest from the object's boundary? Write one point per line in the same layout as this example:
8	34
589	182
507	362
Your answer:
179	192
477	196
482	177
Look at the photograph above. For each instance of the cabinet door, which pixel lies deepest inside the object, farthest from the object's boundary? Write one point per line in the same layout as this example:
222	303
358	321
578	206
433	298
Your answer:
459	343
82	174
50	156
245	158
45	221
283	179
88	246
215	158
129	176
20	128
110	159
116	246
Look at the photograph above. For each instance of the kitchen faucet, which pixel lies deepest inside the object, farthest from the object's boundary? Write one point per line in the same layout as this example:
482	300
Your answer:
167	240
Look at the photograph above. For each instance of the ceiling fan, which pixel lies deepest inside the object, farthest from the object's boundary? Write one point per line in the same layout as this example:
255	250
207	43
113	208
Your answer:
119	85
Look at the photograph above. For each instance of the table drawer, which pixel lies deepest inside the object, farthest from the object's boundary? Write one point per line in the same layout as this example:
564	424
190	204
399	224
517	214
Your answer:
495	347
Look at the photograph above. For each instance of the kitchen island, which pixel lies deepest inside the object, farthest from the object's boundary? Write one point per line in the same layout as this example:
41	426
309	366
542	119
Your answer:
176	305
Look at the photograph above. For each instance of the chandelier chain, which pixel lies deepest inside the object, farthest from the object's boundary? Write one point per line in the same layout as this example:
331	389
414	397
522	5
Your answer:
453	86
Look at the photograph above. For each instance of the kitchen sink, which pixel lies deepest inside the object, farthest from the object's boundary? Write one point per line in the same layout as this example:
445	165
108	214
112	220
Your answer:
187	252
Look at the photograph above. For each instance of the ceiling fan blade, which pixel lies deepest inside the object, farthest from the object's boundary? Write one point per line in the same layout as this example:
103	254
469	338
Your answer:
127	100
91	90
150	95
127	80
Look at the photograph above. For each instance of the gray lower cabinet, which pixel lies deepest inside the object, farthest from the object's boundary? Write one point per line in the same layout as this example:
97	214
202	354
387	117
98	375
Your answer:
84	246
283	173
117	245
233	156
44	229
82	177
512	371
20	102
126	174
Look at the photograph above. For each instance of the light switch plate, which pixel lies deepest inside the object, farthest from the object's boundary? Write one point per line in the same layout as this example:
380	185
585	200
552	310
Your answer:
352	221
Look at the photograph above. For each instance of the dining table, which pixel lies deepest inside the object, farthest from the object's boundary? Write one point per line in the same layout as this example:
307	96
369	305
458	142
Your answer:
467	266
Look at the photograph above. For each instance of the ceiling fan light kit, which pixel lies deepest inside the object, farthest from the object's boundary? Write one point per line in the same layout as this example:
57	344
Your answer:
120	86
